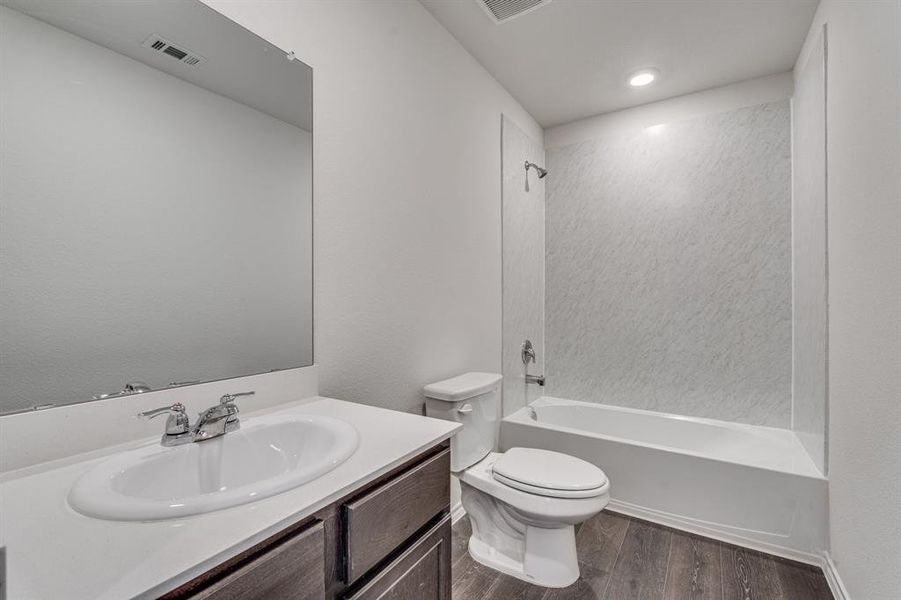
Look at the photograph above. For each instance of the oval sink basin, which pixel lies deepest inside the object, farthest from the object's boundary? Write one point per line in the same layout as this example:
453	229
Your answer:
267	456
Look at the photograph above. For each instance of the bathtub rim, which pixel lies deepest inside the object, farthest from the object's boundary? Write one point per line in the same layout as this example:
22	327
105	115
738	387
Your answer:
521	416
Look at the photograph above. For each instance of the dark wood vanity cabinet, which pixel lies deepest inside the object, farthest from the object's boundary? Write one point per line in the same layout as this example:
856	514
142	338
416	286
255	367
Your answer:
292	569
423	570
389	540
384	518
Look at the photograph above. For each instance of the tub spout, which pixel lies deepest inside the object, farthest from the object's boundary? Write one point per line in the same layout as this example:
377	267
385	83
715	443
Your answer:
539	379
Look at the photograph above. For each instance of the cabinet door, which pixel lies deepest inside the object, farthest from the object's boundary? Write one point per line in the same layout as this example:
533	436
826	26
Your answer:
293	570
422	572
386	517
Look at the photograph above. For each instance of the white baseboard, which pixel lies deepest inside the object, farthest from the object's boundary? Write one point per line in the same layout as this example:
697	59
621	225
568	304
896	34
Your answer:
839	592
706	530
458	513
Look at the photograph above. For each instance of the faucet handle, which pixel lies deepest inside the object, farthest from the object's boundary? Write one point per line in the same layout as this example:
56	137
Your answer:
230	398
176	408
227	402
527	352
177	423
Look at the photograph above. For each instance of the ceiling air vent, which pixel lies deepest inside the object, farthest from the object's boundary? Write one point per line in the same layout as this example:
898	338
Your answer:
179	53
502	11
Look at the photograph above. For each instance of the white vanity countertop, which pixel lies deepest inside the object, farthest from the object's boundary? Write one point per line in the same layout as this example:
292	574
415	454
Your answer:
54	552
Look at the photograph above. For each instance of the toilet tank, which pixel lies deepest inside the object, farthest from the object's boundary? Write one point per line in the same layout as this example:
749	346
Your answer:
473	400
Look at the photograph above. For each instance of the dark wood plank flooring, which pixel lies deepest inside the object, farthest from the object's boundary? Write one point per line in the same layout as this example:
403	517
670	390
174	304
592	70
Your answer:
622	558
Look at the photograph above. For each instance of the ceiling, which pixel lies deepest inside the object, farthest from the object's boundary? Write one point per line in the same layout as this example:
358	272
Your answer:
570	59
239	65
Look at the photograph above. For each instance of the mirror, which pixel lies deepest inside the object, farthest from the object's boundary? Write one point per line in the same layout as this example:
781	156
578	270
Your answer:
156	198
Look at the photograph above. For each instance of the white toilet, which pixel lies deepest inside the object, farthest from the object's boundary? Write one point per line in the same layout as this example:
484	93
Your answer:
522	503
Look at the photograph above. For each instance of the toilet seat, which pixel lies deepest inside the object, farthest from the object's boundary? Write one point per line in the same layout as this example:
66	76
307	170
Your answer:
550	493
539	507
548	473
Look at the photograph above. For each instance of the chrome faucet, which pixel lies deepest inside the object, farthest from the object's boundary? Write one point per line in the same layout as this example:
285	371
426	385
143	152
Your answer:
211	423
539	379
220	419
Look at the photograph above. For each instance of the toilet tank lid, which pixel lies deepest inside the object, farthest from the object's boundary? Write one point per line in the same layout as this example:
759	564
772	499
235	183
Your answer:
462	387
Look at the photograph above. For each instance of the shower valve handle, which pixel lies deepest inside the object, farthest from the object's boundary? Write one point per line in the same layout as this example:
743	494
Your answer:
528	352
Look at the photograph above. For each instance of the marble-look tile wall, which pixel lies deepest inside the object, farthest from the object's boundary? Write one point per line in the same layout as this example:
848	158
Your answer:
523	263
809	251
669	267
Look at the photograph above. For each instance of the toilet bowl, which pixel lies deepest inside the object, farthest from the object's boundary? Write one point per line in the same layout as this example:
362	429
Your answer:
526	534
523	504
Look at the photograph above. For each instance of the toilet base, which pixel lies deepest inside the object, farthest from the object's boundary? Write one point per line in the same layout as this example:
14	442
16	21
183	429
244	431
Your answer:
549	557
504	540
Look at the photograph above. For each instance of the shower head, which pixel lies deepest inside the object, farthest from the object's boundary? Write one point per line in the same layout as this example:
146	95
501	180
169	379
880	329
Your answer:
541	172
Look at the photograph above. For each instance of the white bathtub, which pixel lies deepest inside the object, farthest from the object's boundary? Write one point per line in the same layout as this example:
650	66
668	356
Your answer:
744	484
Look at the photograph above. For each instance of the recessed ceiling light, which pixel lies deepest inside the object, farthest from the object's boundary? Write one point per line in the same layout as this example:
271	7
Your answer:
643	77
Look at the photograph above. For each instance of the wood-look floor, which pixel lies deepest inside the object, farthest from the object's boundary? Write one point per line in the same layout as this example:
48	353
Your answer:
622	558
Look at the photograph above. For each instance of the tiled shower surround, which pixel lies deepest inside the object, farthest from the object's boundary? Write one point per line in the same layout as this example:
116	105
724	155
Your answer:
668	267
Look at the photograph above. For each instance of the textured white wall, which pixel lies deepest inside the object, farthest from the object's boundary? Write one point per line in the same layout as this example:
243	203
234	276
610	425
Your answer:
523	264
669	267
864	233
152	230
407	211
809	252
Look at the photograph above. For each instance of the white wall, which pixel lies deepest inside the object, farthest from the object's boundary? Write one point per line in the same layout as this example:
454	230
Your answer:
864	242
407	209
152	230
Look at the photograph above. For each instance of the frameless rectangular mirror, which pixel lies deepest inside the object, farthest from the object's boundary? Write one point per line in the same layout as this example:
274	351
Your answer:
156	198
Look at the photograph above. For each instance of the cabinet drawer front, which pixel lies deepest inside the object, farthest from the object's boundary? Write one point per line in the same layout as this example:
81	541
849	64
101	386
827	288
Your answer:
386	517
293	570
422	572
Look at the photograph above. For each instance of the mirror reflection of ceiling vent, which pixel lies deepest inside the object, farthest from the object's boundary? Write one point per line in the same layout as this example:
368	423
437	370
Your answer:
179	53
502	11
